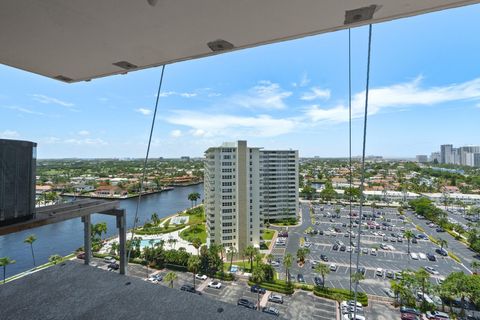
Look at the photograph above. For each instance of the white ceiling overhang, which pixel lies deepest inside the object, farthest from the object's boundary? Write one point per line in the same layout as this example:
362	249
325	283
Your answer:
75	40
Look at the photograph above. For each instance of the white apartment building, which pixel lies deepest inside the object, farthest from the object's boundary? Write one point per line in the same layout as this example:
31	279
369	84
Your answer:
243	187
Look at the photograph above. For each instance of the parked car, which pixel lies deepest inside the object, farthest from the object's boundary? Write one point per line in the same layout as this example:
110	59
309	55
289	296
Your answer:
81	255
437	315
258	289
189	288
271	310
440	230
441	252
431	270
109	259
335	247
113	266
389	292
333	267
413	255
362	270
379	272
318	281
431	257
390	274
201	276
275	298
414	240
373	252
410	310
422	256
324	257
300	278
215	284
246	303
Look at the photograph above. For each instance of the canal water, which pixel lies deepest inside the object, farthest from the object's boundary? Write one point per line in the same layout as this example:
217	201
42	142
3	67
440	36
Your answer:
65	237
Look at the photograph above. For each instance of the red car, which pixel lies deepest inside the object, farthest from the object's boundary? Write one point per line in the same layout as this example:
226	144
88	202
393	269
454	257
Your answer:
81	255
409	316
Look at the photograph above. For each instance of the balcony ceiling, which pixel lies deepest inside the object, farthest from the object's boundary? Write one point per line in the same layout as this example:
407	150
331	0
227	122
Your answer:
73	40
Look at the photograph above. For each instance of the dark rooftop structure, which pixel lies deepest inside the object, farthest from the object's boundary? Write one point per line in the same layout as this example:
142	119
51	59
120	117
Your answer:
76	291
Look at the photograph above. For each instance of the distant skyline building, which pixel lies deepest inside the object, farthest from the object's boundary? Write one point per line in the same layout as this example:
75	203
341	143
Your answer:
244	186
464	156
446	156
422	158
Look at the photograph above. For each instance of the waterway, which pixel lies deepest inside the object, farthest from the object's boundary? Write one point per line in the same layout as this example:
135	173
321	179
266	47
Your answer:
65	237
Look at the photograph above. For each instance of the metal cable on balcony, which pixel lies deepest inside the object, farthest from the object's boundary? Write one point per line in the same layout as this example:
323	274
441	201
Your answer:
142	182
362	179
350	146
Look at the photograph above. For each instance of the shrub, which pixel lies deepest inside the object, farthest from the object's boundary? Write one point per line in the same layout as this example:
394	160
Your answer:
276	285
454	257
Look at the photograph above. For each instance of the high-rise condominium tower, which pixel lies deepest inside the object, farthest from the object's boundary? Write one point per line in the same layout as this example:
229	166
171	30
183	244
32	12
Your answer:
244	187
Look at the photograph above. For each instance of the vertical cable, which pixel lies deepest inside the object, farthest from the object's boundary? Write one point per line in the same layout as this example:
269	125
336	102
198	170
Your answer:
350	146
362	179
142	182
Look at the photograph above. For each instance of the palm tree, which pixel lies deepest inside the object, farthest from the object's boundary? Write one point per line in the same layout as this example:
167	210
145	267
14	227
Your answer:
258	258
258	276
4	262
302	254
170	277
55	258
287	263
193	265
323	270
250	253
269	257
197	243
422	277
155	218
30	240
231	253
443	243
114	248
193	197
408	235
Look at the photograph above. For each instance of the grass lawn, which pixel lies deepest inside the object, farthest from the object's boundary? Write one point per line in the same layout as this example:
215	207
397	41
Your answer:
267	234
196	231
197	217
238	263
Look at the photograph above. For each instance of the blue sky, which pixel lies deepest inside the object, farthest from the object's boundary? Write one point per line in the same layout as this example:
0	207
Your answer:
425	91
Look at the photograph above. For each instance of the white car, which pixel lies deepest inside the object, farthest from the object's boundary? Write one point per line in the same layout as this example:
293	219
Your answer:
431	270
379	272
215	284
413	255
200	276
389	292
275	263
373	252
333	267
422	256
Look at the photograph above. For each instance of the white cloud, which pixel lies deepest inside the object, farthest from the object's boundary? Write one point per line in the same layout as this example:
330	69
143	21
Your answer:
86	141
176	133
316	93
25	110
9	134
397	96
83	133
265	95
49	100
188	94
144	111
181	94
231	125
304	81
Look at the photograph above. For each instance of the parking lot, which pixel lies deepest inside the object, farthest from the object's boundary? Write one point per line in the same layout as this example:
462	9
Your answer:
380	228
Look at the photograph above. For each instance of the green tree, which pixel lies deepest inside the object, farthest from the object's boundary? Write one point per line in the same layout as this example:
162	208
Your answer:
250	252
193	266
422	277
170	278
475	265
408	235
443	243
197	243
258	276
302	254
55	258
269	258
30	240
287	263
231	253
4	262
155	219
323	270
193	197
